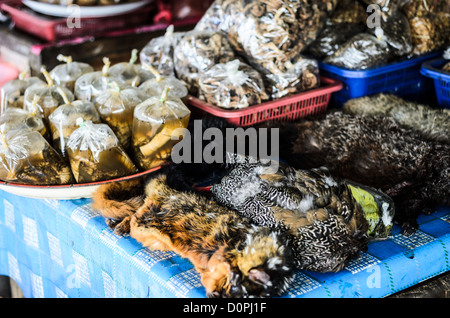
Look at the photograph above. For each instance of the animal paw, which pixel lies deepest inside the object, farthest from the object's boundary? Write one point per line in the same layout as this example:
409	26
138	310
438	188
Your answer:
408	229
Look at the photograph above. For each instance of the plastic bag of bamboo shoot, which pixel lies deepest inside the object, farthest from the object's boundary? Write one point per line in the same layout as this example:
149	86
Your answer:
67	73
301	75
21	119
95	154
232	85
63	121
129	72
361	52
155	121
116	107
12	93
89	85
197	52
156	85
158	53
49	96
26	157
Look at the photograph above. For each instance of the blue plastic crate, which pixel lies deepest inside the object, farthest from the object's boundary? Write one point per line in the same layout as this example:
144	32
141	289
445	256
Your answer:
400	78
433	69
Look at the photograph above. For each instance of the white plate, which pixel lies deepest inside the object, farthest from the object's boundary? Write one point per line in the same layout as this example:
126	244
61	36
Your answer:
75	11
63	192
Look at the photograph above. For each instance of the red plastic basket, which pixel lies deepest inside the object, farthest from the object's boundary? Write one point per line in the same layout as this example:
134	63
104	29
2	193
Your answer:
289	108
54	29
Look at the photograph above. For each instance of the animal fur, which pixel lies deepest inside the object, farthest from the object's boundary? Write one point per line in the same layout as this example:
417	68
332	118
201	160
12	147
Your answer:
431	123
327	227
233	257
377	152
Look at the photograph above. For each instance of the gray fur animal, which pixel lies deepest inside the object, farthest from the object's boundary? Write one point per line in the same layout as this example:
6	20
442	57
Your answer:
377	152
431	123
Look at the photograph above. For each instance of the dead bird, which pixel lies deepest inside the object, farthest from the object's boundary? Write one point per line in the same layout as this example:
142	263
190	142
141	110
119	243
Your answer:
377	152
234	257
326	224
431	123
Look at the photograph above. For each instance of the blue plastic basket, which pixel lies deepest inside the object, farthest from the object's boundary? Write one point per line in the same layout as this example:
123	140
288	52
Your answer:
441	79
400	78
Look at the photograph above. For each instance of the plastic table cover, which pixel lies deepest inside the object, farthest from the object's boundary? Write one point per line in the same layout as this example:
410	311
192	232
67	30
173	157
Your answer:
63	248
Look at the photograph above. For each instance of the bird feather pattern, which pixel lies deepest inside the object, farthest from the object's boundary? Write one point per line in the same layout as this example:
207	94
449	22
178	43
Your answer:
325	224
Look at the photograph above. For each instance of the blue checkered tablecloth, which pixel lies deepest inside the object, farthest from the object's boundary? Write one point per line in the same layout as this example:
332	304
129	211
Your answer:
63	248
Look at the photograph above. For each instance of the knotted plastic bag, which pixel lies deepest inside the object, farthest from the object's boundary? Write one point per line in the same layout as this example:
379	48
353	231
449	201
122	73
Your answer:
12	93
48	94
129	72
232	85
268	33
90	85
301	75
349	19
26	157
21	119
362	51
156	85
158	53
396	32
155	121
197	52
67	73
63	121
332	37
116	107
95	154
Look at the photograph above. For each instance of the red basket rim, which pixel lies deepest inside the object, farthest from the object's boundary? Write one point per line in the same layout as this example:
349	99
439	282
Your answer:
327	86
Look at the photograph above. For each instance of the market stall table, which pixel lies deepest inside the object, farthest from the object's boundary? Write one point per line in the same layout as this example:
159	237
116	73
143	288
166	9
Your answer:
63	248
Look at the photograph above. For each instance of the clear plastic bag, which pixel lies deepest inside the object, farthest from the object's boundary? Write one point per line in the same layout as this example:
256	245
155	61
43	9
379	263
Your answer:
12	93
332	37
301	75
89	85
349	11
155	121
158	53
268	33
197	52
129	72
20	119
156	85
63	122
362	51
49	97
67	73
429	32
396	32
116	107
232	85
26	157
349	19
95	154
